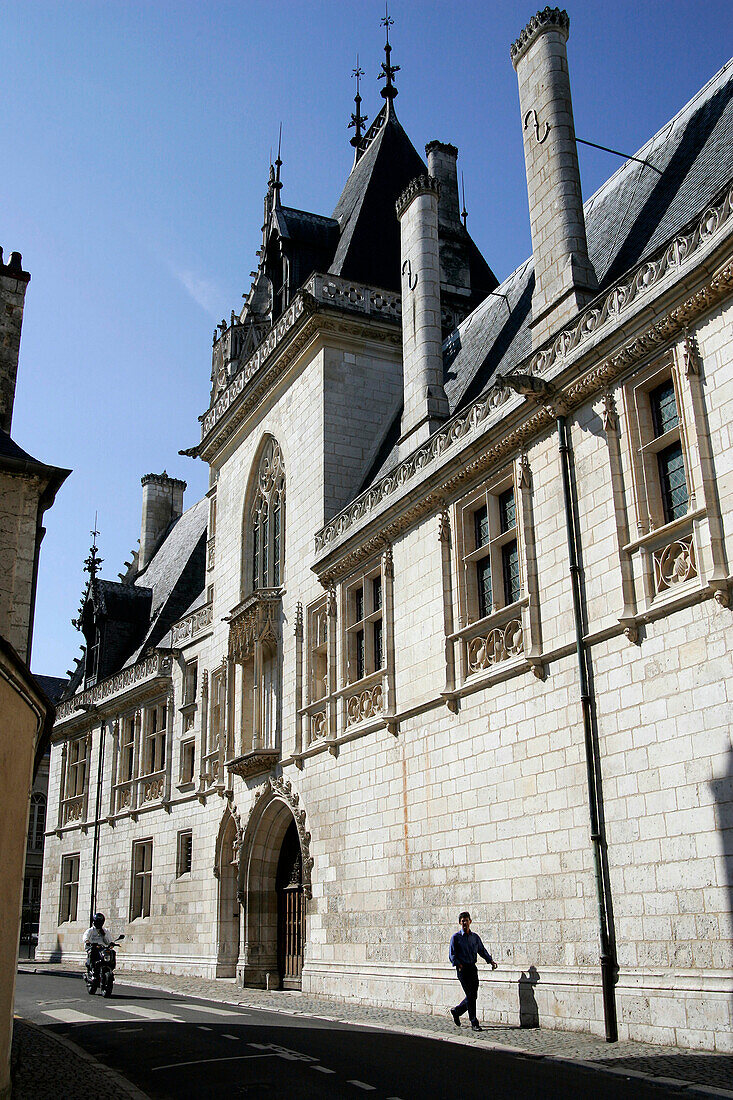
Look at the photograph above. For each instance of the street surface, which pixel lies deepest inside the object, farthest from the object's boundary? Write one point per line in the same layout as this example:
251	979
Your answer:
172	1046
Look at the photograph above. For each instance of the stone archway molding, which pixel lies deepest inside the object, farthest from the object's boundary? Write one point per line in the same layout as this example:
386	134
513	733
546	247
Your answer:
277	789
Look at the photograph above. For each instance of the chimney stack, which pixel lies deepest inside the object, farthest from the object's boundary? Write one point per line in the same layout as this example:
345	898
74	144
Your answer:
455	273
564	277
425	403
162	503
13	285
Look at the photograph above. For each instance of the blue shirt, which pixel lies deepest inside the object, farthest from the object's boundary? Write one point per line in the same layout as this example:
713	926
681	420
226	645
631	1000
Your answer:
465	947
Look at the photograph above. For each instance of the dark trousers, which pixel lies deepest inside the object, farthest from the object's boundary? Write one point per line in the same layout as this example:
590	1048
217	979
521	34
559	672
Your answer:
468	977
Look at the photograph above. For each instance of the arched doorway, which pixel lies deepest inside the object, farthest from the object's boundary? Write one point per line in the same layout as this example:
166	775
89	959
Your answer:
274	883
228	912
290	910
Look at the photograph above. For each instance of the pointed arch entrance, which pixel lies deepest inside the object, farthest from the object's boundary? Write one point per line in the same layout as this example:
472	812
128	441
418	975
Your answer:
228	911
274	885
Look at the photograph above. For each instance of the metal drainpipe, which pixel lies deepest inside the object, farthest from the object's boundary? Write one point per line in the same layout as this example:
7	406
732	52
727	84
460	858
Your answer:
609	963
95	843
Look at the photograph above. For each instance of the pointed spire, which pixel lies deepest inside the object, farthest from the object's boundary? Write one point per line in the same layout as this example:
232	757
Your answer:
464	212
357	119
277	185
91	566
388	69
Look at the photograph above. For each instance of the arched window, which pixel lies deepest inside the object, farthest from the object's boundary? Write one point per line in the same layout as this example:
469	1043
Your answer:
37	821
267	518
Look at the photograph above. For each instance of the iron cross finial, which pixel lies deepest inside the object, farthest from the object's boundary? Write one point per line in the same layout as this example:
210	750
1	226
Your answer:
357	118
388	69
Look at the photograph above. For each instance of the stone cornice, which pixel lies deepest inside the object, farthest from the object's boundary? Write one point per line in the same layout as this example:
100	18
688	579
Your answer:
187	629
545	20
599	322
362	312
421	185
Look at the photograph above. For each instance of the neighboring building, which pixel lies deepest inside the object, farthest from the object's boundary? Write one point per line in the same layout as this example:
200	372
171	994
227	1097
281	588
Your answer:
451	628
27	490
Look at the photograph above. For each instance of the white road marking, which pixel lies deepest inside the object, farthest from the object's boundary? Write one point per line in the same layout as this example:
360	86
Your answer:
283	1052
210	1009
361	1085
206	1061
202	1028
225	1036
322	1069
71	1016
145	1013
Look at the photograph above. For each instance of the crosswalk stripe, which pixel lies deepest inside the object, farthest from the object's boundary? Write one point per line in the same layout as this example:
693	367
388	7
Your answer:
71	1016
144	1013
361	1085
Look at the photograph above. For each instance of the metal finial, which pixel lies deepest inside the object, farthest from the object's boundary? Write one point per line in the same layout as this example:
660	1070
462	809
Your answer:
388	70
92	563
464	212
277	186
357	119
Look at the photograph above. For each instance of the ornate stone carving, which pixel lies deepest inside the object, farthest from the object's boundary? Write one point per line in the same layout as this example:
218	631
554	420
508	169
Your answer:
254	763
364	704
298	620
419	186
524	474
690	355
256	619
157	664
674	564
554	18
318	728
444	525
153	789
610	415
277	787
499	644
74	809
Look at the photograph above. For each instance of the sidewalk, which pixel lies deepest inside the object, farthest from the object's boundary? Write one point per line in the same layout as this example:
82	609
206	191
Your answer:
709	1074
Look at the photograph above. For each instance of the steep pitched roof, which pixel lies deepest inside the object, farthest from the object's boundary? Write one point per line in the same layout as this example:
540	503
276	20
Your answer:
366	209
628	219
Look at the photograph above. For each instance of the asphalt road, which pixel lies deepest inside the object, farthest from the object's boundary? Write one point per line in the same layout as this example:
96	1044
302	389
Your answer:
176	1047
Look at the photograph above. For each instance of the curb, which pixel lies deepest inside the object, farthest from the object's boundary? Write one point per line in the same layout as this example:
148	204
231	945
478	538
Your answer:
119	1086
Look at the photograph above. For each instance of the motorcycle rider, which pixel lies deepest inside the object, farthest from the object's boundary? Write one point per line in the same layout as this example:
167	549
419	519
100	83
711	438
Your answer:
94	938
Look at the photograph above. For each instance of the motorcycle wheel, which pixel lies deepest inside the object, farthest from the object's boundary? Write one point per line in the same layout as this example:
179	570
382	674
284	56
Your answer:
107	983
91	986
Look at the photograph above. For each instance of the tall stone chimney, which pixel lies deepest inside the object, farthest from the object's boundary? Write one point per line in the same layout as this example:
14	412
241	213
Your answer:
162	502
564	277
425	402
455	273
13	285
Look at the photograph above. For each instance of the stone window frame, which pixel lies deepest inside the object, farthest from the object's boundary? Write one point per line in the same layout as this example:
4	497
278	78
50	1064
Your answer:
265	540
77	767
141	878
317	717
190	682
69	887
362	618
366	700
154	739
184	853
669	559
508	638
187	763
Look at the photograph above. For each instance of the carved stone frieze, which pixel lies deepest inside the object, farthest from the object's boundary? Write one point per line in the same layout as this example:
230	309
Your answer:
192	625
501	643
157	664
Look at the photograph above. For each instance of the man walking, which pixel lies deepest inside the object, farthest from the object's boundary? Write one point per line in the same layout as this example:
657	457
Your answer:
465	947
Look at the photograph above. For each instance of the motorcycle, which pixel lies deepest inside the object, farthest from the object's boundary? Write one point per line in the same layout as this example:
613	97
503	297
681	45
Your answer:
99	973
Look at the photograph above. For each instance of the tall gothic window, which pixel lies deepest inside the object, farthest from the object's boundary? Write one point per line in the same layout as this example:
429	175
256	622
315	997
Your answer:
267	518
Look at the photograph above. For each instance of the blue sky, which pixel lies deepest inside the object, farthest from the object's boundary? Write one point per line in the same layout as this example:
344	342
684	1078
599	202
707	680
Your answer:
136	140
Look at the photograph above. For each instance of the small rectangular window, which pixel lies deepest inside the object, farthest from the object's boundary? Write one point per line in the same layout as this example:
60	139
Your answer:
360	655
507	511
376	593
481	527
188	758
69	888
663	405
142	874
190	683
359	604
185	853
378	656
510	569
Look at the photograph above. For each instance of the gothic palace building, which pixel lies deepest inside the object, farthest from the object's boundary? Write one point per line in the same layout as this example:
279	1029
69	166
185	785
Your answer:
451	627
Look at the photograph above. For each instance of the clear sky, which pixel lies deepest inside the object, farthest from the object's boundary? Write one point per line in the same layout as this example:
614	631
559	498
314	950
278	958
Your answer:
135	143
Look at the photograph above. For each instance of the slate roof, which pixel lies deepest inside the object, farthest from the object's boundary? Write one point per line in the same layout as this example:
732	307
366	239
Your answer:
366	209
635	212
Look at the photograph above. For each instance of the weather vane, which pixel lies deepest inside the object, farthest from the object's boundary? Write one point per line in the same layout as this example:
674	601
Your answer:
357	119
388	70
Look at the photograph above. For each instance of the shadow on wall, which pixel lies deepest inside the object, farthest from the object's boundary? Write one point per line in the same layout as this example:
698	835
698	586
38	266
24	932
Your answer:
722	789
57	953
529	1013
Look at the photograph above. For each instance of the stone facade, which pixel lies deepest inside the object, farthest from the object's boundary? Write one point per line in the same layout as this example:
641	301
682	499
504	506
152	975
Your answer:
371	716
